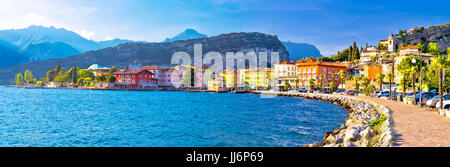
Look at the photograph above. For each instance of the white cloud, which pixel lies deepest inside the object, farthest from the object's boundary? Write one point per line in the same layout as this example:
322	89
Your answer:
109	38
36	16
86	34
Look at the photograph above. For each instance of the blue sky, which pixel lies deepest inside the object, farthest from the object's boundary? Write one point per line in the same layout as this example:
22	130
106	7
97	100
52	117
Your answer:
330	25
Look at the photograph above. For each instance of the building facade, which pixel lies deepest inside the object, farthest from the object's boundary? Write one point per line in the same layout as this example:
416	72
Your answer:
312	69
135	78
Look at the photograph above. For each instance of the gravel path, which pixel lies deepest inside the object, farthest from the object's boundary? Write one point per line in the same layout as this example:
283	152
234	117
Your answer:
415	126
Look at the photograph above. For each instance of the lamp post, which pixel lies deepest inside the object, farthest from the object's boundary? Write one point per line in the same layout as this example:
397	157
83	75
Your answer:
420	76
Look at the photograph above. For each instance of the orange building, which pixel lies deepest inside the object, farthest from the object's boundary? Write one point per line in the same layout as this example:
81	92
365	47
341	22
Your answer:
313	69
371	71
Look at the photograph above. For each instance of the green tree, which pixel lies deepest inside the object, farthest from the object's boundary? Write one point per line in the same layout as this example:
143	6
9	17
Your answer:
287	85
84	73
189	78
355	52
28	77
422	47
73	74
112	70
357	79
367	88
296	83
100	78
341	74
374	58
111	78
380	78
311	83
404	68
62	78
438	63
390	77
433	48
321	77
58	67
19	79
333	86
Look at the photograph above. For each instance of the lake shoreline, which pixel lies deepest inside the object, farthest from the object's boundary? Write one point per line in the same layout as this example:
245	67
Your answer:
369	124
355	132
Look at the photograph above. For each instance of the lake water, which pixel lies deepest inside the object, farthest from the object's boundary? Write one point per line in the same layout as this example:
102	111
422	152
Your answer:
59	117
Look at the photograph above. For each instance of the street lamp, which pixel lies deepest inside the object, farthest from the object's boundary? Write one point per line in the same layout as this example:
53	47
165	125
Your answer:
420	76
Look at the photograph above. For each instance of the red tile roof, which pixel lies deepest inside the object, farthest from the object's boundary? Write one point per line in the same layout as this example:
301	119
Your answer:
286	62
409	47
150	68
130	71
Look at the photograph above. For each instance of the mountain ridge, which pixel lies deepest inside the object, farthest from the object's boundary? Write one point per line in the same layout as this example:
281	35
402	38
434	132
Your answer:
19	40
156	53
189	33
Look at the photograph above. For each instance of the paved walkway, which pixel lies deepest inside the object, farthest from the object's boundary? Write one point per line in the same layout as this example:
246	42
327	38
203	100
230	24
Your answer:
417	127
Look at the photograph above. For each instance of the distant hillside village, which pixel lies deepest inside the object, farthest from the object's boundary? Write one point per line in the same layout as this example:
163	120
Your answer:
391	65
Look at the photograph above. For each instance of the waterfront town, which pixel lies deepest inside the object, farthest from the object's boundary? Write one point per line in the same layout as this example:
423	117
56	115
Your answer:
388	70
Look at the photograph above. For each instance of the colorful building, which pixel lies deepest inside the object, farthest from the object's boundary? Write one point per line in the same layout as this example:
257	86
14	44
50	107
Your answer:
406	52
135	78
98	69
255	78
216	83
231	78
368	53
201	76
310	69
285	72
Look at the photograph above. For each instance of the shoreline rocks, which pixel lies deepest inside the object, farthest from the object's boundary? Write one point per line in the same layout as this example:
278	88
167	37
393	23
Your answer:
368	125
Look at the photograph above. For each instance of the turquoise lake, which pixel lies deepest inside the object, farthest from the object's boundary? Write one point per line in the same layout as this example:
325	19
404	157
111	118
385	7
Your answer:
63	117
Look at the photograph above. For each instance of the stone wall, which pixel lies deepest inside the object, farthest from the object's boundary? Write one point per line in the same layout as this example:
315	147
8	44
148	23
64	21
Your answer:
368	124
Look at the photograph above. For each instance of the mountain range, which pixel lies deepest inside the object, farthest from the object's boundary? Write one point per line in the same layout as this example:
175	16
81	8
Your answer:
155	53
296	50
35	43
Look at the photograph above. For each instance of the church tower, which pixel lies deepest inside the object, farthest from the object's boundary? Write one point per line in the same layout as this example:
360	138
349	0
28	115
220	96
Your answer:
391	43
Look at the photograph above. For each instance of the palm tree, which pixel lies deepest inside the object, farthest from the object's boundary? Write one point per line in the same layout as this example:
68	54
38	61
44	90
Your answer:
404	67
390	76
356	79
321	77
311	84
287	85
439	63
296	83
379	78
332	86
341	76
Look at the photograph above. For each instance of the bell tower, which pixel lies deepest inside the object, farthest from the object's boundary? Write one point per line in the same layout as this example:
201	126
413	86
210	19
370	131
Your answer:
391	43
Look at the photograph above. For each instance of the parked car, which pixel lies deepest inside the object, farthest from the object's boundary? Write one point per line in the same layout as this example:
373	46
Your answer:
425	96
292	90
384	95
376	93
381	93
409	97
302	90
351	92
445	102
432	102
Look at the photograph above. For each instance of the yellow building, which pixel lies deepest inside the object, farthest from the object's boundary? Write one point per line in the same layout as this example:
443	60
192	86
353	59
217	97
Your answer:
230	77
409	51
216	83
